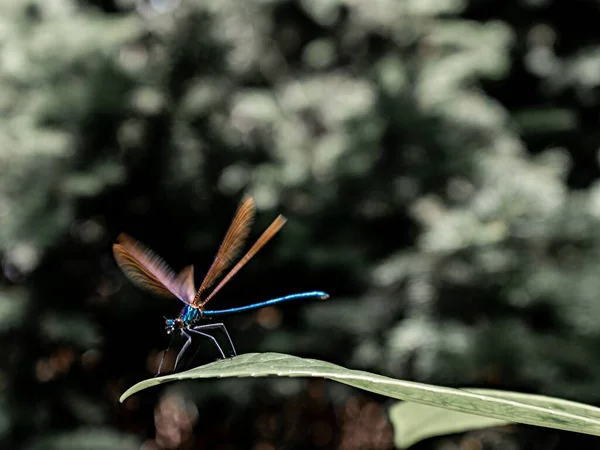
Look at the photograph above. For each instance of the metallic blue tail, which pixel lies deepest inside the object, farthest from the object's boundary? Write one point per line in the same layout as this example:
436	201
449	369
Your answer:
273	301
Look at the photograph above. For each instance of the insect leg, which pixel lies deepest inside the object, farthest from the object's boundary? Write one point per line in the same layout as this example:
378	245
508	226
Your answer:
220	326
164	355
184	348
161	363
194	330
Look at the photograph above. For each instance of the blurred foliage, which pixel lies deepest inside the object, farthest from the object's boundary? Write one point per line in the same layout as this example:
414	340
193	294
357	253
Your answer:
437	161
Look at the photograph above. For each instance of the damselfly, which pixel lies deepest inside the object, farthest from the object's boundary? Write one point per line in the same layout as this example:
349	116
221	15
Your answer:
149	271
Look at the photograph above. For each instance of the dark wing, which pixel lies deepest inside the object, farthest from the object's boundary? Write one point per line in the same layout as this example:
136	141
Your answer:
145	268
262	240
232	242
185	283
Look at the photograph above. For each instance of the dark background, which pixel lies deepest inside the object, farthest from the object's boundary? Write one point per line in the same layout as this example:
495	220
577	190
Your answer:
438	165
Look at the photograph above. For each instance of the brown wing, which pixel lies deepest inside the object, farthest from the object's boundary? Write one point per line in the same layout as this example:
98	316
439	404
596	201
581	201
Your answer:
232	242
145	268
262	240
185	283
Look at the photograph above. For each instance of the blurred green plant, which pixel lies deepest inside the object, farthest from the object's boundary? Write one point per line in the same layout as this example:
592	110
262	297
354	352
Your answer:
425	153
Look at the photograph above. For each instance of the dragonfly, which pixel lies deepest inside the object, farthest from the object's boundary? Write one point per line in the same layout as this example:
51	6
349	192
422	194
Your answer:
150	272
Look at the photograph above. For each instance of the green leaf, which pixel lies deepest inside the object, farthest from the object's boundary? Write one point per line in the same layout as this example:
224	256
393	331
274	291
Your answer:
414	422
509	406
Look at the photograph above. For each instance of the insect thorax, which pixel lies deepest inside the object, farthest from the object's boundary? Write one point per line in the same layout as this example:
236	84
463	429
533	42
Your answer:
189	315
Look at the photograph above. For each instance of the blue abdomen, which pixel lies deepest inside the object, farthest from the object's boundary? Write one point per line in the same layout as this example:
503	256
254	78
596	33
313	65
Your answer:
189	315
